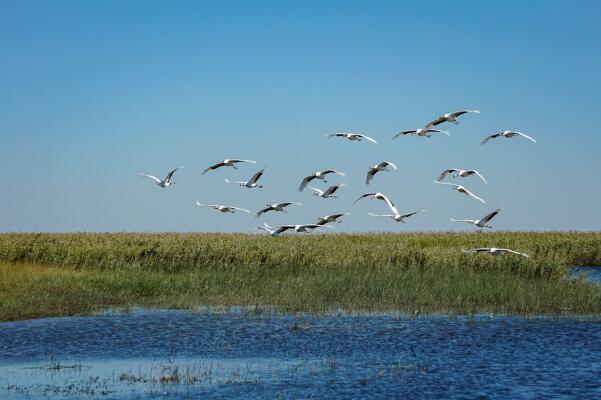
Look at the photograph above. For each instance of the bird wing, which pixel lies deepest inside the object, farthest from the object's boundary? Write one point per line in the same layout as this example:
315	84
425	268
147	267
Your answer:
331	135
525	136
403	133
313	226
446	183
515	252
445	173
478	250
330	171
208	205
170	174
493	136
154	178
412	213
368	138
280	230
458	113
473	195
263	211
336	216
439	131
364	195
333	189
370	175
391	164
460	220
241	209
490	216
390	205
480	176
305	181
212	167
437	121
246	161
381	215
256	177
319	192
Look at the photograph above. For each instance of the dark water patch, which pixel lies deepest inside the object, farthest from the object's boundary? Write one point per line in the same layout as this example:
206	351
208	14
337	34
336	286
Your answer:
592	274
187	355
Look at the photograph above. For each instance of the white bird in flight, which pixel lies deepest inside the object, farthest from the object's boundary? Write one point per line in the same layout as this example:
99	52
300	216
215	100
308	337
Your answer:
398	217
330	218
252	183
301	228
351	136
275	207
460	173
383	166
494	251
506	134
427	132
379	196
227	163
482	222
329	192
461	189
318	175
450	117
223	209
165	182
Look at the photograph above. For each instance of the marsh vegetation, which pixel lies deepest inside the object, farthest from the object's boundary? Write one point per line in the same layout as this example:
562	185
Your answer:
67	274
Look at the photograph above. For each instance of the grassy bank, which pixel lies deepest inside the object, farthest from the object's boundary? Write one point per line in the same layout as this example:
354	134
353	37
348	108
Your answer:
65	274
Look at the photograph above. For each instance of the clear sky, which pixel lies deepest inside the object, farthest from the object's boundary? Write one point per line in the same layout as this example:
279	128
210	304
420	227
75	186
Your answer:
92	93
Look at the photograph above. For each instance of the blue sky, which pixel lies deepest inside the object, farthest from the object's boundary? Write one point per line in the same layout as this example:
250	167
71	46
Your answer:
92	93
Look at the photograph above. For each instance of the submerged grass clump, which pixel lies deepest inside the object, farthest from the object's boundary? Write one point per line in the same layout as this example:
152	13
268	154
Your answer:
64	274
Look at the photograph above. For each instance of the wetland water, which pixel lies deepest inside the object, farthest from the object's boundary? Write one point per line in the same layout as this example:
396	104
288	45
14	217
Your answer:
155	354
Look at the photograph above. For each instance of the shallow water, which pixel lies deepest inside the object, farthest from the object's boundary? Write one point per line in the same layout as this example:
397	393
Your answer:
238	355
592	274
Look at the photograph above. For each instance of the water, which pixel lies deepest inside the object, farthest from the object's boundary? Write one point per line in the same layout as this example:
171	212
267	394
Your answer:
592	274
239	355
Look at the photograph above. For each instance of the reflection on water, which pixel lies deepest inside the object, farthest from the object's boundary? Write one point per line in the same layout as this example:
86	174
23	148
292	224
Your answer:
238	355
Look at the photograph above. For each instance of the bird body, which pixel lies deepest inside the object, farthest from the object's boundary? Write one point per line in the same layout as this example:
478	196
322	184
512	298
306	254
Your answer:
463	173
426	131
461	189
164	182
329	192
275	207
450	117
383	166
318	175
252	182
222	208
351	136
507	134
495	251
482	222
227	163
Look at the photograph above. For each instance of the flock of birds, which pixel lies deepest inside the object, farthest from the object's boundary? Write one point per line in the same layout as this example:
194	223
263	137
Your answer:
384	166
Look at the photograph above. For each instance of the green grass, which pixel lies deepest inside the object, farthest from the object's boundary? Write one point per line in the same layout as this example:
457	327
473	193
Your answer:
67	274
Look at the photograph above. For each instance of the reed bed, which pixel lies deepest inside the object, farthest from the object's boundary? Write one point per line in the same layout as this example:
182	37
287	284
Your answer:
64	274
